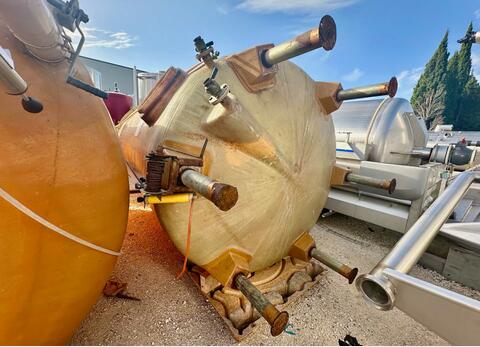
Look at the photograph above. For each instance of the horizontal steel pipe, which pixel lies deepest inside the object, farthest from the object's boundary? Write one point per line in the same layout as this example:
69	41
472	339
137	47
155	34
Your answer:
375	287
388	185
335	265
224	196
276	319
388	88
421	152
324	36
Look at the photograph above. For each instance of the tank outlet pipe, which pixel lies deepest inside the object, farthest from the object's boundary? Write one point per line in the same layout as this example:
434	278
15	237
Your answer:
388	88
324	37
14	84
224	196
376	286
388	185
335	265
421	152
276	319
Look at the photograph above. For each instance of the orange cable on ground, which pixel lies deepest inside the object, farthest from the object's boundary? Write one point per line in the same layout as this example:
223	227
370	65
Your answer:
189	233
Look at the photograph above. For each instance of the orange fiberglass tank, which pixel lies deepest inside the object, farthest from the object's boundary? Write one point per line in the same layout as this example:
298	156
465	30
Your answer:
63	183
236	156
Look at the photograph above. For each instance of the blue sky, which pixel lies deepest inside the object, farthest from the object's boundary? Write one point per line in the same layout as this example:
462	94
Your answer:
376	39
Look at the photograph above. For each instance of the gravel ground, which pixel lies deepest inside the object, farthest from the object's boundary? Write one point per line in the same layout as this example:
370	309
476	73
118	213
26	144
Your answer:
174	312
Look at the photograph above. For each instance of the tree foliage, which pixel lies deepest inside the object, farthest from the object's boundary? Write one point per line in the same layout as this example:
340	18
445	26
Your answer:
458	74
447	92
433	76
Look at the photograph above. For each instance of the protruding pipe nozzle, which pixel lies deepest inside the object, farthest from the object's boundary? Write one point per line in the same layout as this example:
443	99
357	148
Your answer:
324	36
335	265
388	185
277	320
14	84
224	196
388	88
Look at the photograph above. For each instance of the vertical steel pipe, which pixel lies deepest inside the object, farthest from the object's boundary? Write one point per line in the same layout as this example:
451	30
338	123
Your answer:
224	196
375	287
277	320
388	88
324	36
335	265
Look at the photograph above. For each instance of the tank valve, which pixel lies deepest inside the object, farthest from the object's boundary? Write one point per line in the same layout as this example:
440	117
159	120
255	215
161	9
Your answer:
335	265
276	319
388	185
205	51
218	94
388	88
224	196
324	36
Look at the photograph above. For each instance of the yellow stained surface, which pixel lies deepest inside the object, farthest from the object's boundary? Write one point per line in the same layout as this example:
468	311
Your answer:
65	165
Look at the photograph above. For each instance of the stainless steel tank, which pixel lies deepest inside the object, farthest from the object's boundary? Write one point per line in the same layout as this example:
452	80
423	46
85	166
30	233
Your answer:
379	130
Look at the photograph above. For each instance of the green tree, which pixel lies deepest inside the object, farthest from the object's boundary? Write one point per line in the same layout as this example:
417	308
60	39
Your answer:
432	78
469	109
458	74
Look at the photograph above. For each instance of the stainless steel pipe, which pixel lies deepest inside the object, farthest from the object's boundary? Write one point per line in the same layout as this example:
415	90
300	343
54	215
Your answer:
388	185
224	196
324	36
12	83
388	88
276	319
375	286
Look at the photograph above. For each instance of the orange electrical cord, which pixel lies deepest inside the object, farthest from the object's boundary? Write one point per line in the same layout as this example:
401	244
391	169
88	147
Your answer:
189	233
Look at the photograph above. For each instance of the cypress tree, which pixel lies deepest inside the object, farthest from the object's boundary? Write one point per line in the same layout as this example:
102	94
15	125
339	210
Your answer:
470	106
433	76
458	74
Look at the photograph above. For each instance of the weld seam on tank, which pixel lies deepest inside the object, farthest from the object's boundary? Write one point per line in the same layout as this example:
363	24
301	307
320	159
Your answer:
21	207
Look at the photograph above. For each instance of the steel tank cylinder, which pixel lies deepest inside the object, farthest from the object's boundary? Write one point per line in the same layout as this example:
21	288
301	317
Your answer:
379	130
63	166
277	148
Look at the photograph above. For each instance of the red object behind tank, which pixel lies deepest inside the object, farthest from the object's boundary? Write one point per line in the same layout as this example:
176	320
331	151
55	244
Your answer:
118	105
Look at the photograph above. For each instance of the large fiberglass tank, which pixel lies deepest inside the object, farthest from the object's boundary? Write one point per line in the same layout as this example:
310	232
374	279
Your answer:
61	171
265	131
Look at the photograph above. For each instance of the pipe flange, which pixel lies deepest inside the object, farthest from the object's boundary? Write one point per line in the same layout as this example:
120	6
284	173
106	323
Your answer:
377	290
216	100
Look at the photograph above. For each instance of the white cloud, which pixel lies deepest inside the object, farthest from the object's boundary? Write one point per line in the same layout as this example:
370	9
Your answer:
95	37
223	9
293	5
353	76
477	14
407	79
476	64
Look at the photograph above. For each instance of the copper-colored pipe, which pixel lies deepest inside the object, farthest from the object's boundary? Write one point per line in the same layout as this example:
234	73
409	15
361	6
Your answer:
224	196
388	88
324	36
277	320
335	265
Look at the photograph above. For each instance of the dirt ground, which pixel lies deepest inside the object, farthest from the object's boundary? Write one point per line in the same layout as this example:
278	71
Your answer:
173	311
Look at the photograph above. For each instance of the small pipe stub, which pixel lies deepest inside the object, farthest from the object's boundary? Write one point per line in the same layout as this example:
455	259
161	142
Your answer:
324	36
335	265
388	185
276	319
387	88
224	196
